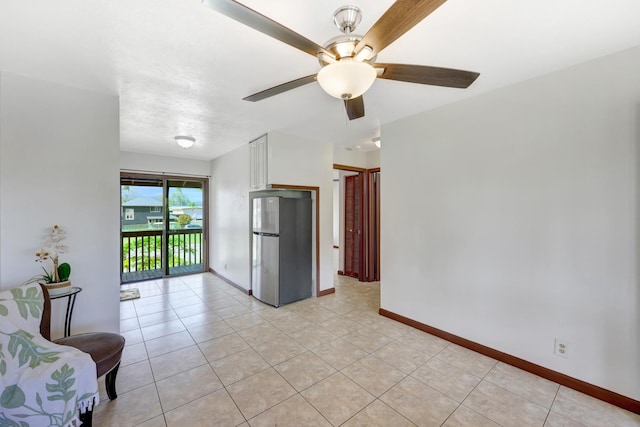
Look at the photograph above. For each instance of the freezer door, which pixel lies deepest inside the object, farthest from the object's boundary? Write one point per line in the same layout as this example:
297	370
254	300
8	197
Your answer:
266	211
265	278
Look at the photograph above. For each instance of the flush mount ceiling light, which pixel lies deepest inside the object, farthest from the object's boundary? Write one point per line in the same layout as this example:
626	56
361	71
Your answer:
185	141
346	78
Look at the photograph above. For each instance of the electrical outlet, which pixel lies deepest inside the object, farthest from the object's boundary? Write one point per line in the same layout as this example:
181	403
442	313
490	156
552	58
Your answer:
561	348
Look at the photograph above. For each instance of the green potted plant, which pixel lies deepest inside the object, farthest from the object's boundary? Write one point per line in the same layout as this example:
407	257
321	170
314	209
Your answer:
57	279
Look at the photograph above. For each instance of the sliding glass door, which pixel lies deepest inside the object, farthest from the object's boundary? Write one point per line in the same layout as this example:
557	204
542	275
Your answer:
163	226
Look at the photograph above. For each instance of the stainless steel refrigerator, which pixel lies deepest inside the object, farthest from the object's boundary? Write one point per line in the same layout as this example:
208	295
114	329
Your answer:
281	264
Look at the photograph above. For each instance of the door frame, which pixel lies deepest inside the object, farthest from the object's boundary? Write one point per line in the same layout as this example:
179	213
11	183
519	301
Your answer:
373	226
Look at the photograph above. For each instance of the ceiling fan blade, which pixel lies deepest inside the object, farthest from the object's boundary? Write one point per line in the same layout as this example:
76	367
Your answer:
265	25
280	88
426	75
355	107
397	20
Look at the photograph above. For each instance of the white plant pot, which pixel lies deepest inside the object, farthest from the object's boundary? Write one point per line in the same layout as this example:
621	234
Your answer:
58	288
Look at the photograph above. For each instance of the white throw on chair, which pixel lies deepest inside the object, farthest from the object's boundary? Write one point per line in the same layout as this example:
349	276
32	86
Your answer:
42	383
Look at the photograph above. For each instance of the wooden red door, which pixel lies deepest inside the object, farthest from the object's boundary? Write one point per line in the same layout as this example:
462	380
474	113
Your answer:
353	226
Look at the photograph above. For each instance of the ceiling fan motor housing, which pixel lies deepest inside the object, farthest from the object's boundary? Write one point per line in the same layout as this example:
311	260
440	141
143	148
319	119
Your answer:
341	46
347	18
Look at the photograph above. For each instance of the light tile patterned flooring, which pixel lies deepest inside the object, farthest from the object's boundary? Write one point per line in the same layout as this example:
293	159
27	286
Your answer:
201	353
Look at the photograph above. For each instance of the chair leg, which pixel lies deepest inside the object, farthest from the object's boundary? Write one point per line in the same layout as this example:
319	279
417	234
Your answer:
110	382
87	418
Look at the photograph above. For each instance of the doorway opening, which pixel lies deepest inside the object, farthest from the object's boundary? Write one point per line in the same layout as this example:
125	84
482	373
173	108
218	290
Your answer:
357	221
163	229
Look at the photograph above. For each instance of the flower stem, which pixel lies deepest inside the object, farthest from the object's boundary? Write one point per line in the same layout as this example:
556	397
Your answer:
56	277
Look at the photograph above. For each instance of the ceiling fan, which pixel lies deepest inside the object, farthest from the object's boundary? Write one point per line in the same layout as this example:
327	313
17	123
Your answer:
348	60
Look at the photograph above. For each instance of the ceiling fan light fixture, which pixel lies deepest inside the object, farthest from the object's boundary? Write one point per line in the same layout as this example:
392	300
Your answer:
346	78
185	141
344	45
364	54
345	48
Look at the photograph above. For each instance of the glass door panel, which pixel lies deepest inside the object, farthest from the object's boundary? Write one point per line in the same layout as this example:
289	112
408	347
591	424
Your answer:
141	229
186	224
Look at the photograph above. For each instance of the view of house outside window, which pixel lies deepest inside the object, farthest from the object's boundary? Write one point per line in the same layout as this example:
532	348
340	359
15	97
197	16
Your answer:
142	208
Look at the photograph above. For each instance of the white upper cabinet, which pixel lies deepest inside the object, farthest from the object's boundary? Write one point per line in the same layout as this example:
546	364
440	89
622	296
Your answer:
258	156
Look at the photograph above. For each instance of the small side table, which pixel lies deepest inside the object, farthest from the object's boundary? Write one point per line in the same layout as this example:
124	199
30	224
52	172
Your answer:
71	300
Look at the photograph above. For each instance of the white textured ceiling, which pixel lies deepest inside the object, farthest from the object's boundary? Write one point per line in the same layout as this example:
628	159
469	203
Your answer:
181	68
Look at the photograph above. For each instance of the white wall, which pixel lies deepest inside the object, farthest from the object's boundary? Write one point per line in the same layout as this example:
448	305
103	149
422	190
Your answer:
59	149
229	252
360	159
373	159
511	219
295	161
356	158
147	163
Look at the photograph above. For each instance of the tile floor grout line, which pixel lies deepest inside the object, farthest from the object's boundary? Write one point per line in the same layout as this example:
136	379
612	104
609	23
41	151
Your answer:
555	396
236	404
